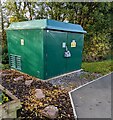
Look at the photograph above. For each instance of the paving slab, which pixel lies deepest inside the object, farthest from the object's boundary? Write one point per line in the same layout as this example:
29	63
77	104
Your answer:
93	100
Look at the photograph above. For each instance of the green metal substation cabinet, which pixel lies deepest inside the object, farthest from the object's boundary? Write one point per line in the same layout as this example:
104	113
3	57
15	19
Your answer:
45	48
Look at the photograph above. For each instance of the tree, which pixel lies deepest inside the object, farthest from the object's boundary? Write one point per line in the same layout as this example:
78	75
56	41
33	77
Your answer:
95	18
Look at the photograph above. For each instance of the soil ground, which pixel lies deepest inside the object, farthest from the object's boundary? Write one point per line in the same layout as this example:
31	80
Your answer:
56	92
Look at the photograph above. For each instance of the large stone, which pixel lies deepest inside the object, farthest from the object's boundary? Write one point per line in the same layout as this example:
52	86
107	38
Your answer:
28	82
50	112
39	94
19	78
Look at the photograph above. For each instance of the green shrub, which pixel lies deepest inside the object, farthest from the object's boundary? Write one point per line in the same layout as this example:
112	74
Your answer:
5	59
97	47
4	66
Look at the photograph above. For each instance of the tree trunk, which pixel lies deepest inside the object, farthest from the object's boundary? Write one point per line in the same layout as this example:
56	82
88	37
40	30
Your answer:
1	23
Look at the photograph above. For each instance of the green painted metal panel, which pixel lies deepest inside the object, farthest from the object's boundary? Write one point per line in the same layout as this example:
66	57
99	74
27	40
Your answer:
47	24
63	26
31	24
74	62
40	47
28	44
55	63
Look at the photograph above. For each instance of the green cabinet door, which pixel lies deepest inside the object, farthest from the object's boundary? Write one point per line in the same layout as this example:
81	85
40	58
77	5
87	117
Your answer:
56	44
55	62
75	46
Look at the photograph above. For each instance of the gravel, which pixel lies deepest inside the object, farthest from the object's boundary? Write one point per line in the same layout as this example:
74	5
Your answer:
74	80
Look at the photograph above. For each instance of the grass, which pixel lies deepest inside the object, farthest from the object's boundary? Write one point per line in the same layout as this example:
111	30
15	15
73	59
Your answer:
103	67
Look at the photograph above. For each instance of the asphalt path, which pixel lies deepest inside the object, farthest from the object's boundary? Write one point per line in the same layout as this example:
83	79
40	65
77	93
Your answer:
93	100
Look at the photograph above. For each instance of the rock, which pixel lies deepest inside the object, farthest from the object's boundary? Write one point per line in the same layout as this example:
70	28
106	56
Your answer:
50	112
39	94
28	82
18	78
3	74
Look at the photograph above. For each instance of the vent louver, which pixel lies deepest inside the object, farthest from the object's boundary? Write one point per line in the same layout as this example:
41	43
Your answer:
15	61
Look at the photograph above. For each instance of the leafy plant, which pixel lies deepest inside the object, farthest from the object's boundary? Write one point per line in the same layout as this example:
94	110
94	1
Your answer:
3	98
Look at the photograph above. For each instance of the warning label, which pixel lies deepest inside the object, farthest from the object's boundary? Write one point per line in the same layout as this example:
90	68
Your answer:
73	43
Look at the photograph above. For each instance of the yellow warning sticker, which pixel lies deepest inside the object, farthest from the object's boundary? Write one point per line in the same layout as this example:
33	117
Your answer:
73	43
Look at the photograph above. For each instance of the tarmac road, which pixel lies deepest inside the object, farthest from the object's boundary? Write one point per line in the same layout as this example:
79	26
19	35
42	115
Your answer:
93	100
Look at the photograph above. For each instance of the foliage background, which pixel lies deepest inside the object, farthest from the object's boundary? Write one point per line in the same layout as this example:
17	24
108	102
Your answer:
94	17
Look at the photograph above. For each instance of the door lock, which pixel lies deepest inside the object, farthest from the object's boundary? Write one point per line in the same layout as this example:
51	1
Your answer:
67	53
